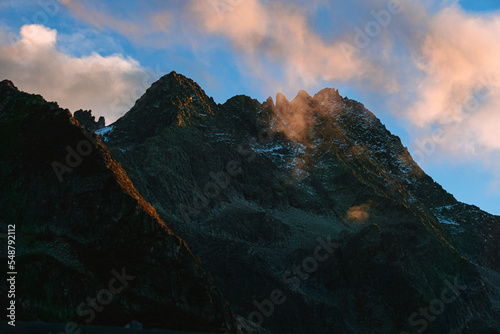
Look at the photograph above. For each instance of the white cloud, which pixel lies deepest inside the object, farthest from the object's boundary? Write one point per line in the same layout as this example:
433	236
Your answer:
107	85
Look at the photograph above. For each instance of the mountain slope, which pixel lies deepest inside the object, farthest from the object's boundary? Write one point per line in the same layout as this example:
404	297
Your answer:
256	188
80	222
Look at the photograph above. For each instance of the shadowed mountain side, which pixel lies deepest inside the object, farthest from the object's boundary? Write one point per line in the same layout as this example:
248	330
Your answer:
251	187
81	225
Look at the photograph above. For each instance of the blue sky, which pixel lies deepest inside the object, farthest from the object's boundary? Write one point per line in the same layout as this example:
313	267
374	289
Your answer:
480	5
405	74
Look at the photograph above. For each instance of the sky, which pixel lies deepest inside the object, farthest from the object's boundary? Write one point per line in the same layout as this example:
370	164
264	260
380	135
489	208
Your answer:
428	69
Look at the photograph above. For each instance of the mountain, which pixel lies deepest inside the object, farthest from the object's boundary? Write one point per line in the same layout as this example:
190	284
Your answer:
82	227
309	214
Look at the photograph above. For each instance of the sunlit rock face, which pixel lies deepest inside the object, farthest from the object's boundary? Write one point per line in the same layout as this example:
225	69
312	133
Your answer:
310	216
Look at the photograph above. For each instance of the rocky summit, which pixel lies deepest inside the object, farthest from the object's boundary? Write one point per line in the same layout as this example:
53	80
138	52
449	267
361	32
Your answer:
302	216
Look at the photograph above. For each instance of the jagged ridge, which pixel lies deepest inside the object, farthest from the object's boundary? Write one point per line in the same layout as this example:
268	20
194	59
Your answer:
324	157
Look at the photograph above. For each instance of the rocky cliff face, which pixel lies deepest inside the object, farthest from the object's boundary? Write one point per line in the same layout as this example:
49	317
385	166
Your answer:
255	189
85	118
309	214
89	248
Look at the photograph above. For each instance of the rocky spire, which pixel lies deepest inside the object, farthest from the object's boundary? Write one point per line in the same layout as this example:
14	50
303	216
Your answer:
85	118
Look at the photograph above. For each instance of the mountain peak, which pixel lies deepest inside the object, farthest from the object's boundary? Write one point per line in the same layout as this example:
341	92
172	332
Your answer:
173	100
270	101
172	77
7	83
91	198
174	83
7	88
327	94
281	99
303	94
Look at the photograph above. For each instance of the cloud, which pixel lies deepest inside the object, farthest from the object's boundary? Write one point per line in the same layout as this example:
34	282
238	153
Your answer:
99	18
264	35
148	26
103	84
280	33
162	21
455	112
460	90
359	213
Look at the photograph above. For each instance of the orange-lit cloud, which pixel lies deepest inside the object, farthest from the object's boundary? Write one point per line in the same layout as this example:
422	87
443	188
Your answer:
358	213
280	32
460	89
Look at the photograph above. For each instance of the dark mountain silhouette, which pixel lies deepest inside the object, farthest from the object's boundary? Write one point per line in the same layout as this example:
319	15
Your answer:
73	232
309	214
85	118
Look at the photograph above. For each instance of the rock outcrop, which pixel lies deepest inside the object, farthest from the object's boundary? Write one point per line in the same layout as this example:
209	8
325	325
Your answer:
85	118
